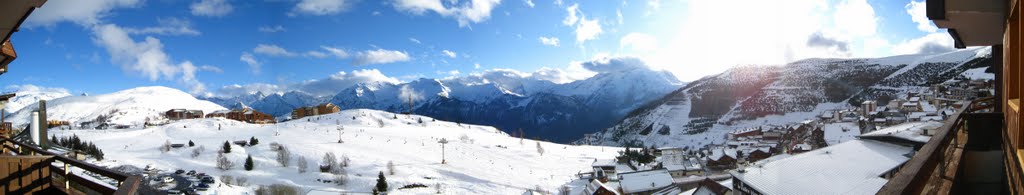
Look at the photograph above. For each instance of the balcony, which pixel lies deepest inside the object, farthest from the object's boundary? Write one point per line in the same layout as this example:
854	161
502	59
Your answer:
964	156
27	169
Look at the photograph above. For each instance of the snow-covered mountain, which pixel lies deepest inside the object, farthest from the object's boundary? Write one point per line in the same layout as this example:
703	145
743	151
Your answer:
29	94
507	100
128	107
480	159
704	110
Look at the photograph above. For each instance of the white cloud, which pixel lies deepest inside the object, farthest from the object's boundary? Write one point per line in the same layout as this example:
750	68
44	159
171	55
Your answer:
84	13
211	8
918	13
552	41
407	94
315	54
321	7
929	44
336	52
237	90
618	16
341	80
856	17
638	42
210	68
254	65
379	56
476	66
571	18
414	40
145	57
272	29
587	30
653	6
529	3
167	26
450	54
273	50
474	11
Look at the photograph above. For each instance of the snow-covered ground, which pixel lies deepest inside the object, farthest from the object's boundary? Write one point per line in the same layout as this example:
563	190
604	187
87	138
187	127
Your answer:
481	159
127	107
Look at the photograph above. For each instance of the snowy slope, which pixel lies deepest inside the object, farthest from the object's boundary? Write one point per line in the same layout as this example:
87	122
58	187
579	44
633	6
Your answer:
127	107
485	161
703	111
29	94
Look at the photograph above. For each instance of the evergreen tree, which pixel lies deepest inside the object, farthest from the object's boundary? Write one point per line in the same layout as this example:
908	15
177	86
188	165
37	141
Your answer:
248	163
190	143
226	148
253	141
382	183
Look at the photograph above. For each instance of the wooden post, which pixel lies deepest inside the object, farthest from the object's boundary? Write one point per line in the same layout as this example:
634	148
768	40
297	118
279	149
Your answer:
67	177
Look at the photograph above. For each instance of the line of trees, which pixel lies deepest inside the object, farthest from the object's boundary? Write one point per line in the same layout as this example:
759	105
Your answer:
77	144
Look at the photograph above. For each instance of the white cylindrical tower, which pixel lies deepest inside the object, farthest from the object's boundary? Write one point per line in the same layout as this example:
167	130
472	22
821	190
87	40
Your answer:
34	128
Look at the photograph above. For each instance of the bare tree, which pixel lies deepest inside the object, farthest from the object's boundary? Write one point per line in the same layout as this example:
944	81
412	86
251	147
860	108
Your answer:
283	156
391	168
540	150
329	162
197	151
223	163
344	160
303	165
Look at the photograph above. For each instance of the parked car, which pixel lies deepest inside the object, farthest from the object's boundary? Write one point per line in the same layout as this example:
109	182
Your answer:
192	172
208	180
168	179
173	191
179	171
201	186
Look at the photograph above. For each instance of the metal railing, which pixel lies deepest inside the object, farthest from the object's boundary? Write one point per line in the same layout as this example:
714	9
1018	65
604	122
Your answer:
126	184
933	169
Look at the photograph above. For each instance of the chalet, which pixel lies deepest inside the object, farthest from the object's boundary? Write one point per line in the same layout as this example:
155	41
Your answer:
723	158
597	187
644	182
684	168
604	169
745	133
315	110
668	151
868	107
758	154
245	115
179	114
711	187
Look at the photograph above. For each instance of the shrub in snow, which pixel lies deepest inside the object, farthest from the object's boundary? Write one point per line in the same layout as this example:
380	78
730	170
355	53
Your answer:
226	148
278	189
223	163
226	179
190	144
344	161
253	141
303	165
328	163
283	156
248	163
241	181
197	151
341	177
166	147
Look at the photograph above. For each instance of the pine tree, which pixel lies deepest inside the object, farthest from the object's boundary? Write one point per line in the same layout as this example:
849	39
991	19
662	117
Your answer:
382	183
226	148
253	141
248	163
190	144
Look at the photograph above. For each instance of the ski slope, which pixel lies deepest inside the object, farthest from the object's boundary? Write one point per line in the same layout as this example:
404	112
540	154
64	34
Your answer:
480	159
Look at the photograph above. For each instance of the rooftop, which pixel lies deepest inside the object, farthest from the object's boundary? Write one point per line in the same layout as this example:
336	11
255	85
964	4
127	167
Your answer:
913	131
642	181
815	172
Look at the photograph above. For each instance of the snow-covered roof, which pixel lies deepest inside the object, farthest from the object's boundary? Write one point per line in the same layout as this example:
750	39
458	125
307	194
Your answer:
596	184
603	163
852	167
718	154
642	181
912	131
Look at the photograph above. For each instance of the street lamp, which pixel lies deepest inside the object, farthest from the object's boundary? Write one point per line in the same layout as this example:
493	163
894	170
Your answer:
443	142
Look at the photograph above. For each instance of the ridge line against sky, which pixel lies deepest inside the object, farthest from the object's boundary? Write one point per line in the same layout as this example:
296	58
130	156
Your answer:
208	46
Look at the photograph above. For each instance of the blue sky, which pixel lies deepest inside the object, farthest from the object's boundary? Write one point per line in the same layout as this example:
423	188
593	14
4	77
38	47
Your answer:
228	47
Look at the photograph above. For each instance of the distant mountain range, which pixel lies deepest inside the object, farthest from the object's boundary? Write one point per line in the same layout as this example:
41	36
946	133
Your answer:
504	99
747	96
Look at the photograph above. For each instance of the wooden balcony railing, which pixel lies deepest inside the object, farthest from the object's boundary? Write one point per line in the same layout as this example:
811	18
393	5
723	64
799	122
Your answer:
62	179
934	168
